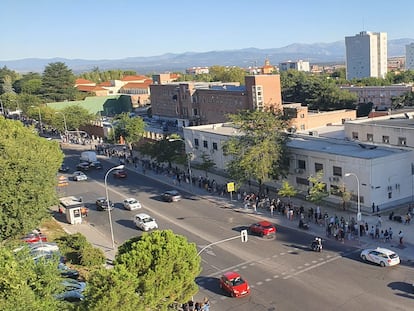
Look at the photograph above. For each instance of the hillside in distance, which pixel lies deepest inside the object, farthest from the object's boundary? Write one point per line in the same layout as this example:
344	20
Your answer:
315	53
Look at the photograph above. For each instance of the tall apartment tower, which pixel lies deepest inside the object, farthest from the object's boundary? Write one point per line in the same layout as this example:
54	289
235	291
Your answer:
409	56
366	55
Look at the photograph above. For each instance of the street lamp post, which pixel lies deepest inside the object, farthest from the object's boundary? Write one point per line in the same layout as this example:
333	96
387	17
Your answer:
189	156
64	121
358	203
40	118
119	167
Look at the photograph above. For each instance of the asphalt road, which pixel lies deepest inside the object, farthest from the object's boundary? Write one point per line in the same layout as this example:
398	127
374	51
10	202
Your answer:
283	273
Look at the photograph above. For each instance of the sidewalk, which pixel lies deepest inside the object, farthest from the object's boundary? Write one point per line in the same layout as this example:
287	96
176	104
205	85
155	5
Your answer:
405	251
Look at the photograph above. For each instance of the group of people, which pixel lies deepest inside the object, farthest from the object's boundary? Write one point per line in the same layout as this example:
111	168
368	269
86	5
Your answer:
197	306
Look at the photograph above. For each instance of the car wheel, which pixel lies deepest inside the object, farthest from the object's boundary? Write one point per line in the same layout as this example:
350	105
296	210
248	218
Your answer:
364	258
382	264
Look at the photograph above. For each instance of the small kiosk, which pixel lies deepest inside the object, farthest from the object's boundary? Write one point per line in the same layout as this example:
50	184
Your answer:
73	209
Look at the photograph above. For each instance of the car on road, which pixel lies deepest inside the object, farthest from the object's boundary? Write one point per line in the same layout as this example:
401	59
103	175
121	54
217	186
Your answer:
145	222
131	204
83	166
233	284
63	168
102	204
171	196
380	256
96	165
263	228
79	176
120	174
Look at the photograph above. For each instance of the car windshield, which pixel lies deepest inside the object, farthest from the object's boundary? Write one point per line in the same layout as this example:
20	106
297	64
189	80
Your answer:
393	256
146	220
267	226
237	281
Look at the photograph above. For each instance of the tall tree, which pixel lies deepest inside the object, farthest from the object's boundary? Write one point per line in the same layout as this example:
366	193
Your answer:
145	277
259	150
287	190
317	191
28	166
131	129
58	83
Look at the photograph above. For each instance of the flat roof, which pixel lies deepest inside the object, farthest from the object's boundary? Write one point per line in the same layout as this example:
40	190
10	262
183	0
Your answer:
342	147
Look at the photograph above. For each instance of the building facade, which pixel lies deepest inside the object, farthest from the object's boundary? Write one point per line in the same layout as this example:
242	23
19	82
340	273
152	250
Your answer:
299	65
409	56
366	55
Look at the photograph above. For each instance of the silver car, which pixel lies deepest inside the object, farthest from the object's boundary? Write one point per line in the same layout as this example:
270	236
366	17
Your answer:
145	222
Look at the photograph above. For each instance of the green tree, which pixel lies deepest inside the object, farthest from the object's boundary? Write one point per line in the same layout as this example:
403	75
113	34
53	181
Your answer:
28	166
75	117
29	285
145	277
287	190
58	83
131	129
259	150
317	191
166	150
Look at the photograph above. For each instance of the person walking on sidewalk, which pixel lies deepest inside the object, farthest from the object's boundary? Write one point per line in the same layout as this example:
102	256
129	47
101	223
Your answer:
401	236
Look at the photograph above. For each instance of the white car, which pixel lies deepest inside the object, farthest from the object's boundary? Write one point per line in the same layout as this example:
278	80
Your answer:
381	256
79	176
131	204
145	222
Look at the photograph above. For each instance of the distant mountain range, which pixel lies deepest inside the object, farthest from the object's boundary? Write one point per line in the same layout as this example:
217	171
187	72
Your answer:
316	53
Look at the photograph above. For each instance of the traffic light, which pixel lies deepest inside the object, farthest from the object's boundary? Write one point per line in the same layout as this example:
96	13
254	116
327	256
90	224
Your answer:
243	236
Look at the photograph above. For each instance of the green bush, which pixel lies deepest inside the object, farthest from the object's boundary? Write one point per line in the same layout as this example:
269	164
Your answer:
91	256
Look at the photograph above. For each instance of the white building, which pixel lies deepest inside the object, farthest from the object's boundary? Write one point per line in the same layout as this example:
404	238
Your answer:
384	173
299	65
409	56
366	55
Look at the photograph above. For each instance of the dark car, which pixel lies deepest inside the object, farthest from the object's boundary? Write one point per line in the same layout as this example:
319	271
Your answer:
120	174
96	165
66	272
63	168
171	196
102	204
83	166
263	228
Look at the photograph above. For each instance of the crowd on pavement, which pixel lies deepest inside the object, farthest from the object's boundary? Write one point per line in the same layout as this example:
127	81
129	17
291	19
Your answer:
378	228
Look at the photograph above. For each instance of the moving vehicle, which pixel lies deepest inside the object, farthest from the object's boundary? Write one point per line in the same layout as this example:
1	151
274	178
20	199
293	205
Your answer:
83	166
380	256
64	168
102	204
145	222
88	156
79	176
234	284
263	228
131	204
120	174
171	196
316	244
96	165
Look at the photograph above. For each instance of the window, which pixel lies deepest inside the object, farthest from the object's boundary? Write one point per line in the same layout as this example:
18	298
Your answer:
318	167
337	171
386	139
302	181
402	141
370	137
214	146
354	135
205	144
302	164
196	143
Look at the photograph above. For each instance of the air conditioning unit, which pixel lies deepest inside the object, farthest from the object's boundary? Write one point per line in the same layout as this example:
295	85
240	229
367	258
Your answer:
298	170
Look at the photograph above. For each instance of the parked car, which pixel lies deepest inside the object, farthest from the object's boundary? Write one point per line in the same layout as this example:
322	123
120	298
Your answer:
64	168
83	166
102	204
73	290
96	165
380	256
233	284
145	222
263	228
120	174
79	176
131	204
171	196
34	237
66	272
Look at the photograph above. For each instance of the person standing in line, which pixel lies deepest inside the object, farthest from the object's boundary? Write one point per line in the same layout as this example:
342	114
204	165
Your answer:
401	236
272	208
390	233
373	207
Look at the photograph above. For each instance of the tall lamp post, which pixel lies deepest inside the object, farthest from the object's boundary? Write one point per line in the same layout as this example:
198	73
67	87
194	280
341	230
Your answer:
189	157
358	203
64	121
40	118
119	167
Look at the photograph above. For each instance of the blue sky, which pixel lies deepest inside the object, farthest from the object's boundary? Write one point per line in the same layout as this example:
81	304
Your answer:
113	29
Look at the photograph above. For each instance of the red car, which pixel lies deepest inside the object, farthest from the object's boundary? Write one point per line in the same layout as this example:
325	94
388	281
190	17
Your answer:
263	228
34	238
120	174
234	284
